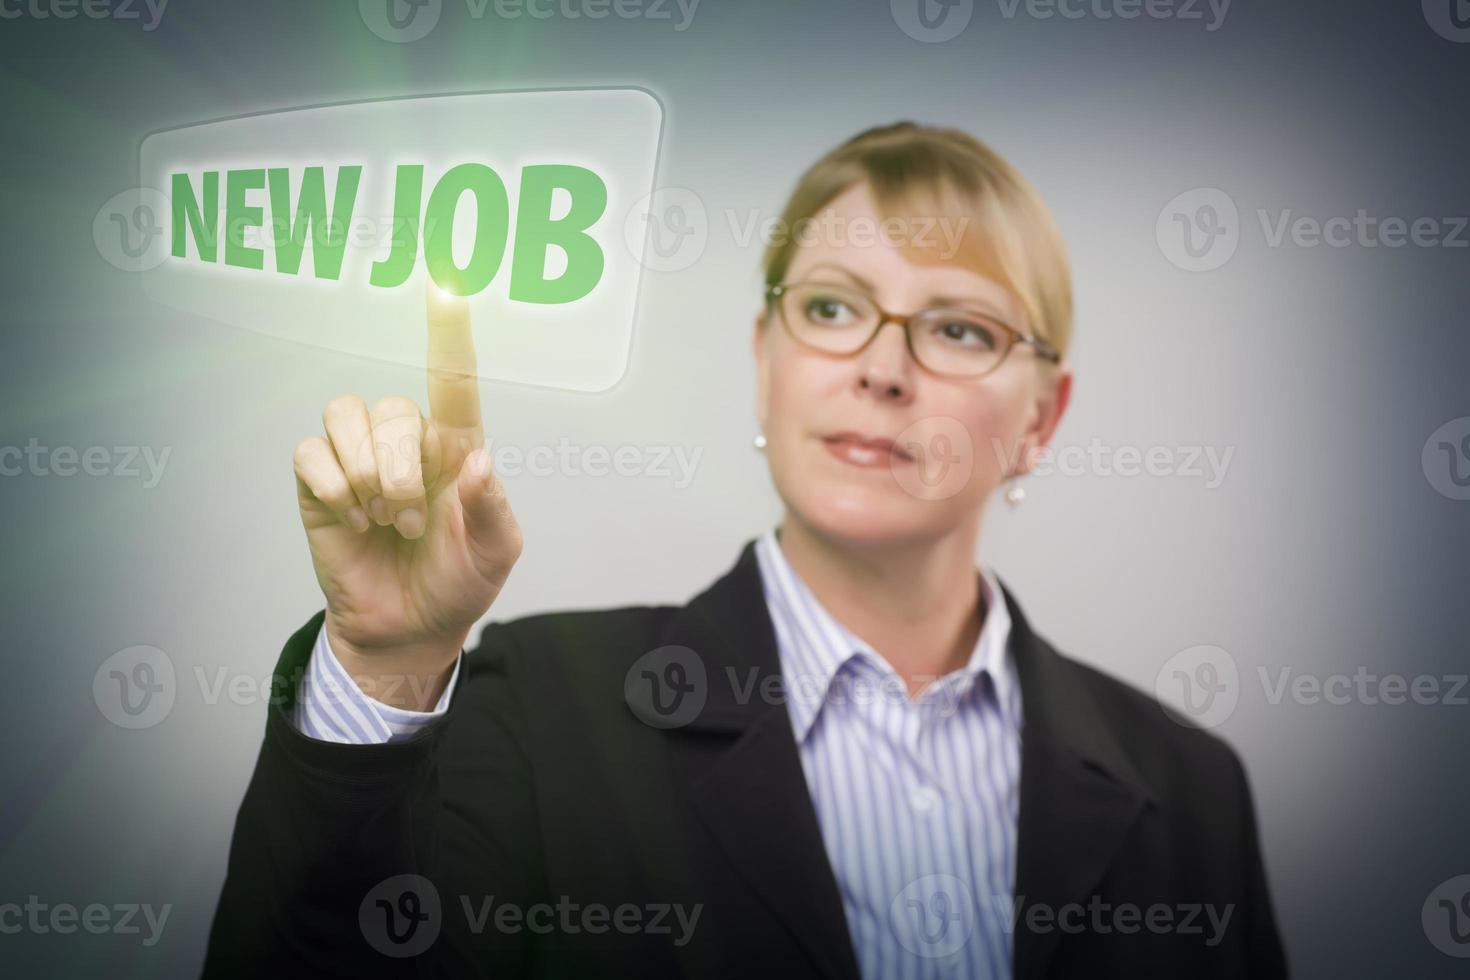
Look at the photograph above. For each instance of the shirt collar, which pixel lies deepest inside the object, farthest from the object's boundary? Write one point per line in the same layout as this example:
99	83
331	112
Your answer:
813	646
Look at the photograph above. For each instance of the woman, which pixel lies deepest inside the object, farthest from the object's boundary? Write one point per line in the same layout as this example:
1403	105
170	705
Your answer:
849	756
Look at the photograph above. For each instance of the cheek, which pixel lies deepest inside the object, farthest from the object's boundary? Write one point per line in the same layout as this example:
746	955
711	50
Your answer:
798	387
995	429
965	442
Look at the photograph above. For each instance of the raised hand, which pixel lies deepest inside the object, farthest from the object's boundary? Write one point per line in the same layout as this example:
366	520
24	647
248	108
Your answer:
410	531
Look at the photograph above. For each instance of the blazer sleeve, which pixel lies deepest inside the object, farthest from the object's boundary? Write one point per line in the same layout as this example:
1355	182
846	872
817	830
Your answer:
1264	953
379	860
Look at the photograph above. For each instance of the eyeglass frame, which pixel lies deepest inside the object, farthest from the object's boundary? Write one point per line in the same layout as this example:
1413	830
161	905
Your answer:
1043	350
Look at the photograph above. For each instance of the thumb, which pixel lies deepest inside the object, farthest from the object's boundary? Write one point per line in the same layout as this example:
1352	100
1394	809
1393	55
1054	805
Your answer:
491	531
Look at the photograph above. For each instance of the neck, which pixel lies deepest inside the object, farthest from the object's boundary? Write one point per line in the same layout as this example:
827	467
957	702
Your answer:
917	603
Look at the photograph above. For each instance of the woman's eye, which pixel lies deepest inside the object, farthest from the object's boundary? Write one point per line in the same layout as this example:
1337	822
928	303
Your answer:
968	334
826	310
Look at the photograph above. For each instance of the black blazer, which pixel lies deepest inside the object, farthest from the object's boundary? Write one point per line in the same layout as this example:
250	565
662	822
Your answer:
542	799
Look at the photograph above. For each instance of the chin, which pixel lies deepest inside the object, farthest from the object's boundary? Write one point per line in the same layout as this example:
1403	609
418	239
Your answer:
880	514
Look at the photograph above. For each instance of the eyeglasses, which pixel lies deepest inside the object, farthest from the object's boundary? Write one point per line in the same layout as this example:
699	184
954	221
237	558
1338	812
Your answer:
952	342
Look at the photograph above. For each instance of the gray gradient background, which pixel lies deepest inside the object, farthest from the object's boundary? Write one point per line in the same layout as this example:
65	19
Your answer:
1325	549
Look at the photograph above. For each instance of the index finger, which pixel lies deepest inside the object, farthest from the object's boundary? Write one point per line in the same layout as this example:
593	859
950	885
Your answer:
454	385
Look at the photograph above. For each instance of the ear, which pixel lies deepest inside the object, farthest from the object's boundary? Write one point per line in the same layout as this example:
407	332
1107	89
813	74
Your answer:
1053	393
762	371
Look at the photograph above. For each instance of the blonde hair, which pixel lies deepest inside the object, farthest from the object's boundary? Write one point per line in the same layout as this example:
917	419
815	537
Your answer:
1008	231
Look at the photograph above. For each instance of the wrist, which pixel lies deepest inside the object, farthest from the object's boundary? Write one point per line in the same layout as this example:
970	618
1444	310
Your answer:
411	676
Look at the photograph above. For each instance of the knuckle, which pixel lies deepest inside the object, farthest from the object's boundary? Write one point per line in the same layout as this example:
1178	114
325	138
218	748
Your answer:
360	461
341	408
511	549
394	406
514	541
397	456
307	448
400	476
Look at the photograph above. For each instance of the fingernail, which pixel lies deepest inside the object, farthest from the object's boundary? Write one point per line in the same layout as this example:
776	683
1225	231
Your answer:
357	520
479	461
410	522
379	508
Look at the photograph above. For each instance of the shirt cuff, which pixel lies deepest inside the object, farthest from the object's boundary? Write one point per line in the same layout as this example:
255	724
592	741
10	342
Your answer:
330	707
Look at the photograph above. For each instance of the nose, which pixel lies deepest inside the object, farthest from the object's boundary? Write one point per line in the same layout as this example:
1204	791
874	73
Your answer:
885	368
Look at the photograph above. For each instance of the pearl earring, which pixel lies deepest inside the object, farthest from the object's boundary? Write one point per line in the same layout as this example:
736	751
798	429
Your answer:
1015	494
760	441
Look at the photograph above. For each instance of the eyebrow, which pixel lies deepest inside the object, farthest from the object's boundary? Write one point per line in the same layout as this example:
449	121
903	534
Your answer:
935	300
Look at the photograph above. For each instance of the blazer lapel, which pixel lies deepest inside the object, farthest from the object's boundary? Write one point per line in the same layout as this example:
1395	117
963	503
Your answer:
1080	794
739	762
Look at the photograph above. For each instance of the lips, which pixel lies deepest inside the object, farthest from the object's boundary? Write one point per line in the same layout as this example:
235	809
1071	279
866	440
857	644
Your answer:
884	447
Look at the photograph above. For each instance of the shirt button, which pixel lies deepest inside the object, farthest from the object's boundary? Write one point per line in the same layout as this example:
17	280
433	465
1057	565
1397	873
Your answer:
924	799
